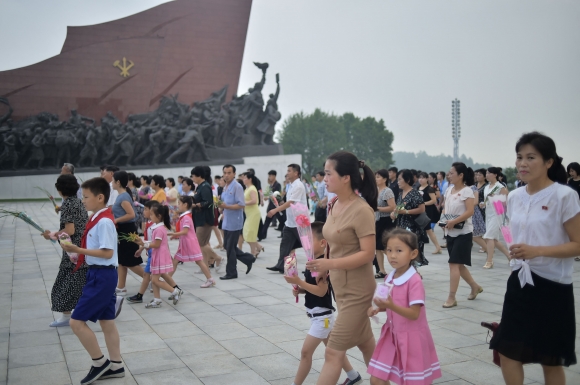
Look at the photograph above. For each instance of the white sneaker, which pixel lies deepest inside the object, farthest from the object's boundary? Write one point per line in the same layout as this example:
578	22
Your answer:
118	305
209	283
219	267
153	304
122	292
176	295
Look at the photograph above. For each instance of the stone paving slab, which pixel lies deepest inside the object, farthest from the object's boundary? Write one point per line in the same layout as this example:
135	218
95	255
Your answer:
244	331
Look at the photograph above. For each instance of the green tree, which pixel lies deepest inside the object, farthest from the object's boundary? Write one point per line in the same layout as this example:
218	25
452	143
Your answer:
369	139
319	134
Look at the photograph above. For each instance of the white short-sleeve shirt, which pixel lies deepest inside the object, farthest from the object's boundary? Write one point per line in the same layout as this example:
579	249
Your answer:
455	204
296	194
538	220
112	196
102	236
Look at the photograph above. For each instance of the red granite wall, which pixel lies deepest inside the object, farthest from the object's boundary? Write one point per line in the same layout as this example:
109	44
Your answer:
190	47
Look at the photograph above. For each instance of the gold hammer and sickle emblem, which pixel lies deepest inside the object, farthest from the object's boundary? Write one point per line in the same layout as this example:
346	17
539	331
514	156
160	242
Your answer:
124	68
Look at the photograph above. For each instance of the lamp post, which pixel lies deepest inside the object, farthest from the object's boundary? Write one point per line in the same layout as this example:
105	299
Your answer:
455	128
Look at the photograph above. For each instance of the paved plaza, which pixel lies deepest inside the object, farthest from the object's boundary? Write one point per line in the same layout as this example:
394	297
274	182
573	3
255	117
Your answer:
243	331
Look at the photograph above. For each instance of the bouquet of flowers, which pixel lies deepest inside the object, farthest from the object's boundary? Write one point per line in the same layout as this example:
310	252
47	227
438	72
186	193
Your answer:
313	192
217	202
291	269
49	195
268	192
381	292
302	215
274	199
399	207
64	238
492	193
131	237
504	222
22	215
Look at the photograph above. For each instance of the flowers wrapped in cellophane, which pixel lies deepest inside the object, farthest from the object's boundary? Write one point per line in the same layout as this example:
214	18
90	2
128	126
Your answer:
498	202
382	291
302	215
64	239
273	196
291	269
23	216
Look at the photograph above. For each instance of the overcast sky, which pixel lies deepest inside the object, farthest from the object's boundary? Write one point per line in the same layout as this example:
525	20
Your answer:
513	64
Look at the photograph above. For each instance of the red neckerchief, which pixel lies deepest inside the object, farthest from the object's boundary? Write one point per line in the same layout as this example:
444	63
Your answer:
146	232
178	224
107	213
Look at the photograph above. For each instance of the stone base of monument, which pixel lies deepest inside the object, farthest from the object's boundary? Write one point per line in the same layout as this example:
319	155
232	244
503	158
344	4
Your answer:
217	155
21	186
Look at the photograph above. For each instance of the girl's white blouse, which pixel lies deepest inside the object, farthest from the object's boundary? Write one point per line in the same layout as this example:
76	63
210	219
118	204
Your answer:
538	220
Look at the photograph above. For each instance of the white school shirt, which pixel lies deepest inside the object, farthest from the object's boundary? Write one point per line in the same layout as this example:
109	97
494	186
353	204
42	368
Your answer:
296	194
538	220
102	236
112	196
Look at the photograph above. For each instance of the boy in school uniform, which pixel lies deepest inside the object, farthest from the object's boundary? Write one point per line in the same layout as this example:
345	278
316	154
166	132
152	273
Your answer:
318	303
99	251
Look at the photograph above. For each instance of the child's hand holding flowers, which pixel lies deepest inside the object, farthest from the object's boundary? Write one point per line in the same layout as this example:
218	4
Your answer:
293	280
383	304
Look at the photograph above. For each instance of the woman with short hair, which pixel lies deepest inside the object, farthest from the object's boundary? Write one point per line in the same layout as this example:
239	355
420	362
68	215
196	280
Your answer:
68	285
413	206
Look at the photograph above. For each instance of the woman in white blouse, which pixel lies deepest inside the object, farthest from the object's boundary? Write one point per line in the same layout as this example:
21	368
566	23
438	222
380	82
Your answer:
492	231
459	200
538	317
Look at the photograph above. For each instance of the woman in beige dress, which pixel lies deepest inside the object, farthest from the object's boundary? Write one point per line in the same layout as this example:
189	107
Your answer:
350	233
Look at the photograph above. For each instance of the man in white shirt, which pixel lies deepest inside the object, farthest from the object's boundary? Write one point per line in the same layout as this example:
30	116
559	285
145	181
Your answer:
290	238
107	173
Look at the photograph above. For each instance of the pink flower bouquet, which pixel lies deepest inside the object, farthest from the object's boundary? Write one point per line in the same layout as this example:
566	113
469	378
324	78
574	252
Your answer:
291	269
64	238
504	223
302	215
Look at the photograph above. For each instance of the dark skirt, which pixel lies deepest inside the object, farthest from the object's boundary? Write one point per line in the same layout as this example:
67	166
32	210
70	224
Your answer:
68	286
381	226
537	323
126	250
459	249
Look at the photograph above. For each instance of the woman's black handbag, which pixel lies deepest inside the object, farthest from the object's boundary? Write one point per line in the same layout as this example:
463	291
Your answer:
447	217
422	220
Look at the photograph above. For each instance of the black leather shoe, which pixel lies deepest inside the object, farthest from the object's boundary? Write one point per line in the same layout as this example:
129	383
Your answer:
250	266
280	236
228	277
274	268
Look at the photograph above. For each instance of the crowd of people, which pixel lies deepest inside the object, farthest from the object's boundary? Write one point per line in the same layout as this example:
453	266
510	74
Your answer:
360	215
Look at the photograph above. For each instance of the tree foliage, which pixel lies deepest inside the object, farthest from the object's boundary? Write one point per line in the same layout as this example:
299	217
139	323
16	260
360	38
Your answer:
319	134
431	163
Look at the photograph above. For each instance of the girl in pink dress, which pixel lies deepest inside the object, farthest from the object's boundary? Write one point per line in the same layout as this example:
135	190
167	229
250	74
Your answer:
189	249
405	352
161	263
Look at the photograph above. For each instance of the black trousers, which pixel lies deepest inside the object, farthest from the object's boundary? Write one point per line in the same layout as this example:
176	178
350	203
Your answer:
290	241
320	214
235	254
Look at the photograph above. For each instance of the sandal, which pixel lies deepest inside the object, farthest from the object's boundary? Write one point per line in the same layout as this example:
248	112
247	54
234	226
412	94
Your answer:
380	275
